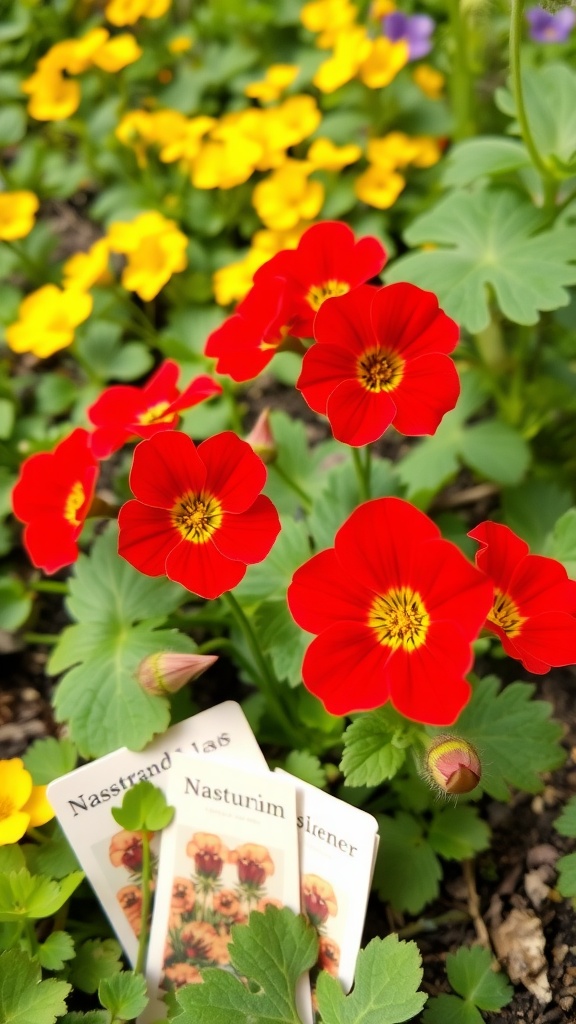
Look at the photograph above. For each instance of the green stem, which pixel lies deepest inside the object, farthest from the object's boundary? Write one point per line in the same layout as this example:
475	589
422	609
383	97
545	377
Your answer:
36	272
490	346
48	586
362	474
304	497
35	834
222	643
516	28
145	911
269	685
460	78
41	638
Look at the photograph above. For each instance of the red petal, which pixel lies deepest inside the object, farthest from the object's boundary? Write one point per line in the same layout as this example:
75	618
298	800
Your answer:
234	473
358	416
452	588
549	638
324	367
319	596
428	685
248	536
163	384
501	551
51	543
346	322
428	390
408	320
146	537
47	478
346	668
117	406
165	468
203	570
540	584
198	390
380	545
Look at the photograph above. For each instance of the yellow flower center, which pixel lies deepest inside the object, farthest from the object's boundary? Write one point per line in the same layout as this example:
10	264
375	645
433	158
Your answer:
74	501
378	370
154	414
7	807
197	517
400	619
330	289
504	613
275	342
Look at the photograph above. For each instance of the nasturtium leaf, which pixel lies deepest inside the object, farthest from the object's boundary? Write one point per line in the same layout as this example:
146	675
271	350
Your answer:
495	450
340	495
488	243
91	1017
471	975
273	950
375	747
15	604
280	637
561	543
446	1009
550	100
458	833
48	759
565	824
407	871
124	994
566	868
24	997
55	858
270	578
27	896
306	766
11	858
100	697
388	973
95	960
144	808
55	950
513	734
486	155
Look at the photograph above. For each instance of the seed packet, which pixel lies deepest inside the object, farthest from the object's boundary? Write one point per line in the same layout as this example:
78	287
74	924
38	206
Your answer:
112	856
338	846
231	848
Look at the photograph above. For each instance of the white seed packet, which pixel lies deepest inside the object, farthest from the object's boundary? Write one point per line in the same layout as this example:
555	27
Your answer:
338	846
112	856
231	848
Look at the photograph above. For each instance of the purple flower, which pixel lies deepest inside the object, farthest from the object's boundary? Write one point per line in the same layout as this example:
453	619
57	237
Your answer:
546	27
414	29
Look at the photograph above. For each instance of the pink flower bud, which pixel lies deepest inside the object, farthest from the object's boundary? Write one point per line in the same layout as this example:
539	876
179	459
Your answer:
453	765
168	671
261	438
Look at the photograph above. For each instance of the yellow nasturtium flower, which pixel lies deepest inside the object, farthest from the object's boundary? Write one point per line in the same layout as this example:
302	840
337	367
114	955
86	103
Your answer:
126	12
117	53
328	17
379	186
46	320
383	62
85	269
324	155
288	196
155	249
52	97
233	282
22	805
352	47
180	44
17	210
429	80
277	78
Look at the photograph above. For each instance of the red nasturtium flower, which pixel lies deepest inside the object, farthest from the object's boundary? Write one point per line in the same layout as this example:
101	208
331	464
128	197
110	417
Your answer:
124	411
53	497
287	293
395	609
534	606
198	516
381	357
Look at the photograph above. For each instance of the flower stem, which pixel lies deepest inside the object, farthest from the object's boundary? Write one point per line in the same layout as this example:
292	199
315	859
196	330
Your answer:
48	586
546	173
269	685
460	80
41	638
304	497
35	834
145	911
363	467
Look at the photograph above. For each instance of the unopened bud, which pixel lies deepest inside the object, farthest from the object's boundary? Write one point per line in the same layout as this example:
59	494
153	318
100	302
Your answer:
453	765
168	671
261	438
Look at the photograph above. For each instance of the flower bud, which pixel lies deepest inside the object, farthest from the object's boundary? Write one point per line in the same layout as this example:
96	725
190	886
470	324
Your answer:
453	765
261	438
168	671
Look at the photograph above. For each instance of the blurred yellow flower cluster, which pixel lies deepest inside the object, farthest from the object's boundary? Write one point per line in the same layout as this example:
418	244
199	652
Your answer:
126	12
233	282
223	152
53	96
22	805
354	54
154	248
381	184
277	78
429	80
17	212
